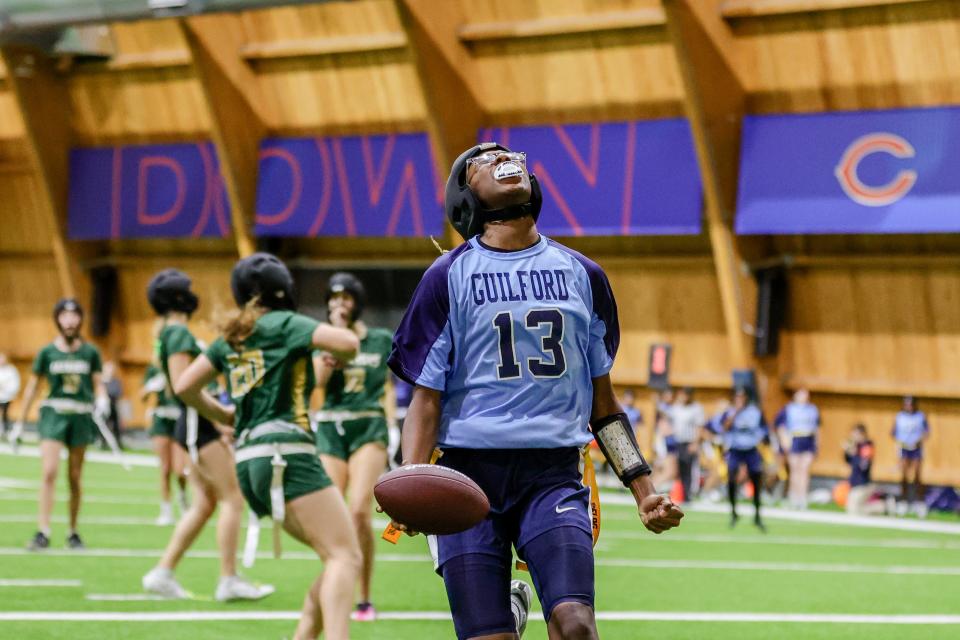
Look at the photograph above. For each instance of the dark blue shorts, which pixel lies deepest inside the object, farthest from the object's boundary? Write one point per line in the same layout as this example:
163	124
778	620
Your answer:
803	444
911	454
537	506
740	457
673	447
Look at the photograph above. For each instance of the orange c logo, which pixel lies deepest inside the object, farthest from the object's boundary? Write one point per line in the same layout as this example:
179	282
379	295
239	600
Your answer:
846	170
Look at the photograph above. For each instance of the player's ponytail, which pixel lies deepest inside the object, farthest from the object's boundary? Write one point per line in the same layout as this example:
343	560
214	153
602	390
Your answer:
239	323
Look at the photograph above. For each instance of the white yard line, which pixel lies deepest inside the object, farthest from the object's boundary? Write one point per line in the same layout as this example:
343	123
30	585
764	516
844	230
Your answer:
814	541
695	565
92	455
123	597
18	582
663	616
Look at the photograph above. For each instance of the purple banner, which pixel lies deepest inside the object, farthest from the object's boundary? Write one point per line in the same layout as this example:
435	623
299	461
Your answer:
617	178
150	191
349	186
860	172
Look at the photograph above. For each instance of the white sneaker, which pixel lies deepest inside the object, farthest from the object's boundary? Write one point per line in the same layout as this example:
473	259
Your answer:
903	507
239	588
920	508
166	515
161	582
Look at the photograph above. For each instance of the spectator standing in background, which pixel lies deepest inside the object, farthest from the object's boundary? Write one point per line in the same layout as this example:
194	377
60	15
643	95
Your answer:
798	424
9	388
910	429
115	392
688	419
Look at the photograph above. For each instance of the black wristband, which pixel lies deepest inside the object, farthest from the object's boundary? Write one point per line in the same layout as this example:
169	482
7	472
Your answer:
614	434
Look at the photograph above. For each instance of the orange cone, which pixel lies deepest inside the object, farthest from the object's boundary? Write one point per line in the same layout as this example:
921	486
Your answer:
676	493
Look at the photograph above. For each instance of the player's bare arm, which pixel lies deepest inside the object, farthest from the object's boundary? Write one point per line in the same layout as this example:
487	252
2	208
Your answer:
341	343
420	427
191	378
657	512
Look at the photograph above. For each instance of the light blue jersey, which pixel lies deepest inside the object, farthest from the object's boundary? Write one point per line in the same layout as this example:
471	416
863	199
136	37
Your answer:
749	428
909	429
513	339
799	419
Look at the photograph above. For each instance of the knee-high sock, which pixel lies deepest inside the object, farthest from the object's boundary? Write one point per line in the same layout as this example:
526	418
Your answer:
757	480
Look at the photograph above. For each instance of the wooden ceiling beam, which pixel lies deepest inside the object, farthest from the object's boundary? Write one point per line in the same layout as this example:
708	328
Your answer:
313	47
756	8
563	25
238	113
44	105
714	102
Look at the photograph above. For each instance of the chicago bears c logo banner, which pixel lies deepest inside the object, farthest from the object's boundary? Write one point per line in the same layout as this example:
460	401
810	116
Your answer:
614	178
858	172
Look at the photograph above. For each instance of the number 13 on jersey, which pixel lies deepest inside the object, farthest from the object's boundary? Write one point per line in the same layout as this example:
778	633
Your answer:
548	324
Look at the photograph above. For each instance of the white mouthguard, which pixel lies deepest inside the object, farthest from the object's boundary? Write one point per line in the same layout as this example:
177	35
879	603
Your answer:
507	170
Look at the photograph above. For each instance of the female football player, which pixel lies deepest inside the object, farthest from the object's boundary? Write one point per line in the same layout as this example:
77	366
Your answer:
798	424
509	340
211	461
910	430
352	427
743	428
71	367
265	354
163	416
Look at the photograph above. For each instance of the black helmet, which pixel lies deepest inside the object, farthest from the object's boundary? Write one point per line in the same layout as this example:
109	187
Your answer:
169	290
263	275
348	282
465	212
66	304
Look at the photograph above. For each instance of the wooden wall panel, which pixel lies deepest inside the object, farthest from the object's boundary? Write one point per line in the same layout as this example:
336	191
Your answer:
11	124
880	332
613	75
26	229
903	55
147	93
28	291
358	92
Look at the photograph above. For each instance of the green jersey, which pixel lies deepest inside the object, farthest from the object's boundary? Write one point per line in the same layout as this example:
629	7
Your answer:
174	339
359	386
155	381
271	377
69	375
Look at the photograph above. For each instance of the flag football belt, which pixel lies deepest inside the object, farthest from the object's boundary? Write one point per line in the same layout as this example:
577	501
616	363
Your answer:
272	428
275	451
909	447
339	417
65	405
588	474
167	413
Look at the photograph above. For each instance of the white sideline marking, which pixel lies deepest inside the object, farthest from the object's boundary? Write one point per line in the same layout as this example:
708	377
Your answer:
708	565
62	497
17	582
814	541
816	517
123	597
88	520
663	616
92	455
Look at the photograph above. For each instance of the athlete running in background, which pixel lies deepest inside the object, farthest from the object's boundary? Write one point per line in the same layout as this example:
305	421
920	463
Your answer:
509	340
798	425
71	367
163	416
265	354
910	430
743	428
352	426
211	471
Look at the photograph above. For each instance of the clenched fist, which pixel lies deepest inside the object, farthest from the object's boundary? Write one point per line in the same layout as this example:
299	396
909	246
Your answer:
658	513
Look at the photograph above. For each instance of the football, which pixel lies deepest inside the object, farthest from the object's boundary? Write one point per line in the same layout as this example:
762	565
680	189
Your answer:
431	499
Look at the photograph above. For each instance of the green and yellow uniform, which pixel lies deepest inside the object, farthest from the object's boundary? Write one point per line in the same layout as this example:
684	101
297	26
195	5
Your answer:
270	380
352	413
66	414
167	410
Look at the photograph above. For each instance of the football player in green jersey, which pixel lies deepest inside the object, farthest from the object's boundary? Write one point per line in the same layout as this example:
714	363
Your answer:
211	460
163	416
352	426
71	368
265	355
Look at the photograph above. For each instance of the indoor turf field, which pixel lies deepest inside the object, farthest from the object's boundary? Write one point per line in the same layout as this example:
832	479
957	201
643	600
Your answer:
801	580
